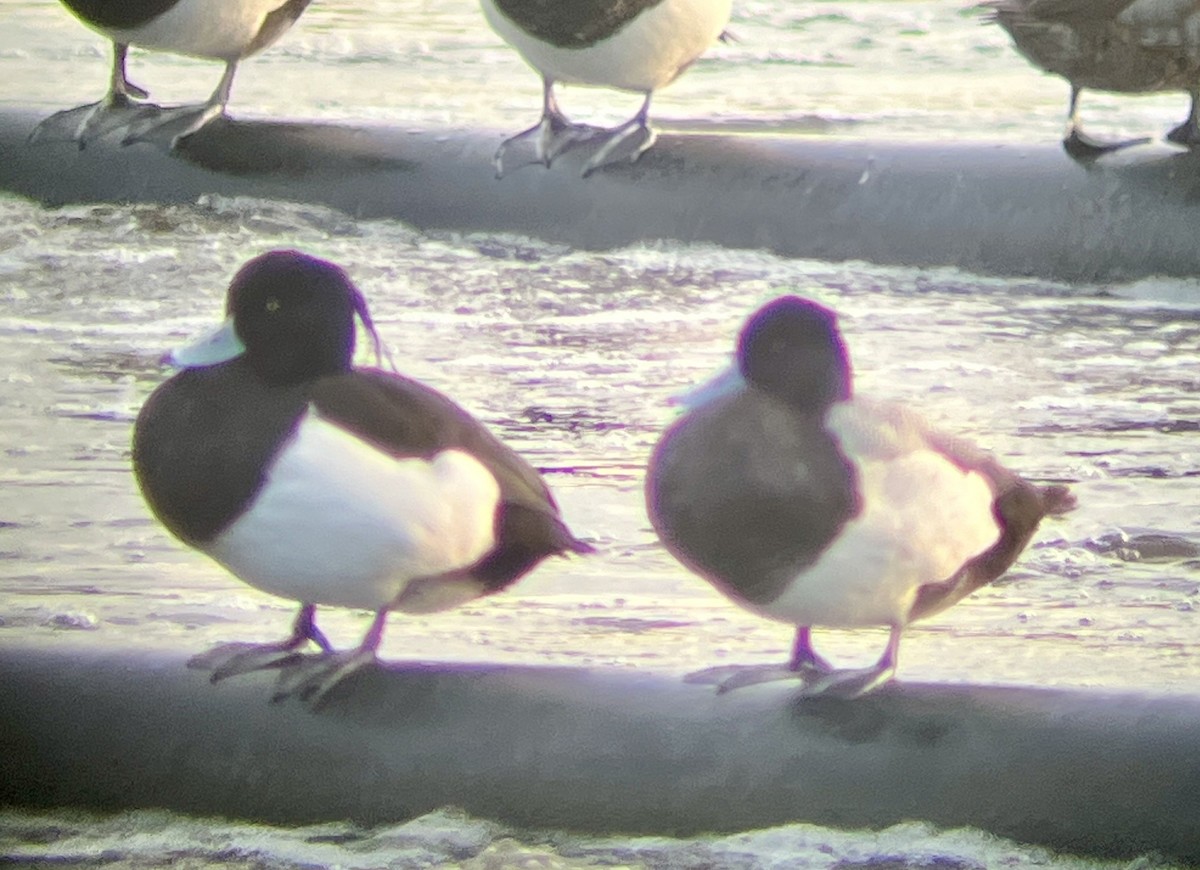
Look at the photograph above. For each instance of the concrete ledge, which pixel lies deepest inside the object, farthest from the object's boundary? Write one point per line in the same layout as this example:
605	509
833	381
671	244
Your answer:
1002	209
1090	773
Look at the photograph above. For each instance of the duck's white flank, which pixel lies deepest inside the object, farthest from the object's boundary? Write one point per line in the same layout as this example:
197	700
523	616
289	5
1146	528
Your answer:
340	522
642	56
202	28
922	518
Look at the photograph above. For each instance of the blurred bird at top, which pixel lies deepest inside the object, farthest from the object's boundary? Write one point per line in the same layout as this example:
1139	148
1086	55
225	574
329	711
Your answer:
224	30
1126	46
629	45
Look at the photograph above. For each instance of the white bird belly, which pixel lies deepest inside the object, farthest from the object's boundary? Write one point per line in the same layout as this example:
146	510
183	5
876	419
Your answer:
339	522
219	30
922	519
646	54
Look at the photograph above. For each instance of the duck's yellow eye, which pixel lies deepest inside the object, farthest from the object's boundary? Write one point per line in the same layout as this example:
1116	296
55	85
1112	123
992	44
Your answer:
273	305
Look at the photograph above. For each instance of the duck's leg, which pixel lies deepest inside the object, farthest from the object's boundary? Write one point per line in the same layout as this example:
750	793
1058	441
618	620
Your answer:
805	659
1188	133
553	134
805	664
853	683
168	126
120	85
312	680
118	109
230	659
627	142
1082	147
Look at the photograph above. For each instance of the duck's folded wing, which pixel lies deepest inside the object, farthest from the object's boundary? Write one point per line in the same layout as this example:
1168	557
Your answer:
403	417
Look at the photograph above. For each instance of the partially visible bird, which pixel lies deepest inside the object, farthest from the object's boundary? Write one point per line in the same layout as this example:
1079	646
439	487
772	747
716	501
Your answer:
629	45
1126	46
223	30
813	506
327	484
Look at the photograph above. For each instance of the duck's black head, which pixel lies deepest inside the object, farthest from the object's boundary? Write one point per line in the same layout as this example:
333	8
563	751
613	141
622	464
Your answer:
792	350
295	316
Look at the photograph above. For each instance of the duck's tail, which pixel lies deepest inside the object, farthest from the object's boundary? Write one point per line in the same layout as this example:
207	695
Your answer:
1057	499
581	547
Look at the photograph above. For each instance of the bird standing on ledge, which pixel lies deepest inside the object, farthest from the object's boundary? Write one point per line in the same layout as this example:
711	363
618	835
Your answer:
629	45
324	483
1124	46
224	30
812	506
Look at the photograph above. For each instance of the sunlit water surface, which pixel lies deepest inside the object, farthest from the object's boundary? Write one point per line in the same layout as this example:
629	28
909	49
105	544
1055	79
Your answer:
571	358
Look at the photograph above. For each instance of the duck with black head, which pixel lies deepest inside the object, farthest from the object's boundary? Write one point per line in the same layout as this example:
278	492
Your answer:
813	506
324	483
223	30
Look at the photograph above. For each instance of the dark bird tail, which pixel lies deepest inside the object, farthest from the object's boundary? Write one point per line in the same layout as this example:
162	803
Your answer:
1057	500
580	547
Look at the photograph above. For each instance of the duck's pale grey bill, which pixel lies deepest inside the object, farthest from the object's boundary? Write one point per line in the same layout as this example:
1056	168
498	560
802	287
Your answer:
724	383
217	346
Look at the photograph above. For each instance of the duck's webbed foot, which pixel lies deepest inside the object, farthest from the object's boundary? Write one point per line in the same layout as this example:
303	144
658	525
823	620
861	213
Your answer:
1084	148
231	659
624	144
849	683
856	682
729	677
805	665
311	679
1186	134
167	127
92	122
552	136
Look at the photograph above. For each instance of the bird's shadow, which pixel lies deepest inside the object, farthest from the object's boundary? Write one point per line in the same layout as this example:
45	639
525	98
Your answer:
288	148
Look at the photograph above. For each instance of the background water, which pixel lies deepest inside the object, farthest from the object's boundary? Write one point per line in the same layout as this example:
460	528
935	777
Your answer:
571	357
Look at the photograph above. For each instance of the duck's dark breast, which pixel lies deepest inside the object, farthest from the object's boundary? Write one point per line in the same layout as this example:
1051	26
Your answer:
203	444
573	23
749	493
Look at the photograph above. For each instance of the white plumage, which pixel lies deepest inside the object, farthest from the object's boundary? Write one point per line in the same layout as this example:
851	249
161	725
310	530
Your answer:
200	28
644	55
922	518
340	522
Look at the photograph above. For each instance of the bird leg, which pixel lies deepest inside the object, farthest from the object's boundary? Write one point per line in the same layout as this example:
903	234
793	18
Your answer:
553	135
87	123
855	682
626	142
230	659
805	664
311	680
119	84
168	126
805	659
1082	147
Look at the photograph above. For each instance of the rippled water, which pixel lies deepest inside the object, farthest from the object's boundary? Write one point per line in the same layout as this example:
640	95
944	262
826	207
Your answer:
571	357
451	839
